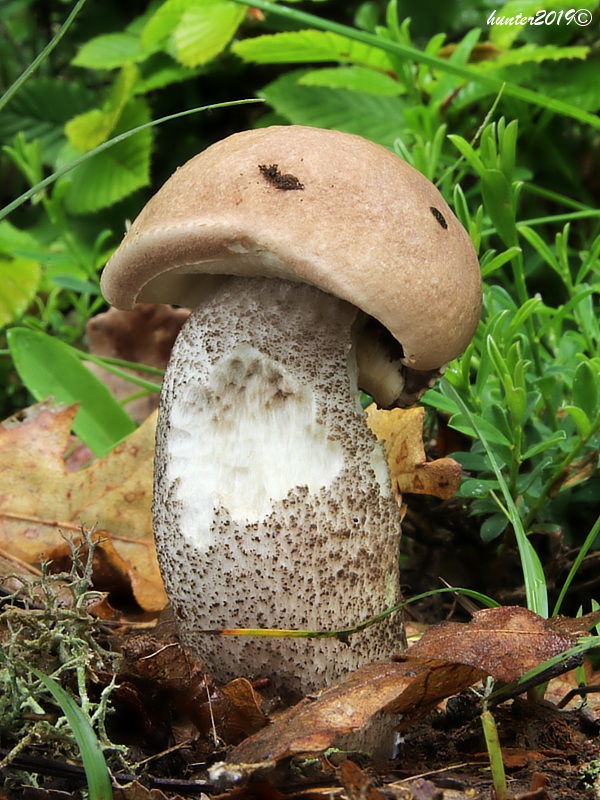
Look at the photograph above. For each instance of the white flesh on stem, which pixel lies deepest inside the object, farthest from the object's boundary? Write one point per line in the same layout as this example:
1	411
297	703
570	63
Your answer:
273	506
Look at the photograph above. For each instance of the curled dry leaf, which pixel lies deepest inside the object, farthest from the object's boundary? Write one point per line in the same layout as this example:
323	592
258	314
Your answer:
502	642
39	498
401	431
154	667
314	725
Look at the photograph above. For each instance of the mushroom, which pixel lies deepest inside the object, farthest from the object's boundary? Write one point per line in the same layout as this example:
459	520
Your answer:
304	253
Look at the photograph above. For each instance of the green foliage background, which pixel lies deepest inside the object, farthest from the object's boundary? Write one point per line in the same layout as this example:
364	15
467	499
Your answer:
503	118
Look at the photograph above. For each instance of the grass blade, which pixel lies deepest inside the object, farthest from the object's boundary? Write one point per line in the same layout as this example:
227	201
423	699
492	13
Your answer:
94	763
51	368
14	88
533	573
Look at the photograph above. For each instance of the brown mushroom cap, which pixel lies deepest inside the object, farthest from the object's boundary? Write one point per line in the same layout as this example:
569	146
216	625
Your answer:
317	206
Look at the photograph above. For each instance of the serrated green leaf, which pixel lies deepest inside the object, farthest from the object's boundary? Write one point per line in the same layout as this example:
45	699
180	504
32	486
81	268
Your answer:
109	51
116	172
50	368
356	79
40	111
161	70
205	30
19	280
583	76
310	46
163	22
15	242
87	131
533	54
586	385
375	117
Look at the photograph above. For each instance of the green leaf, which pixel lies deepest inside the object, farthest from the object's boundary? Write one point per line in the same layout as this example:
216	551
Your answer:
439	401
493	527
533	53
310	46
488	429
15	242
50	368
162	24
19	280
496	192
161	70
584	76
109	51
467	152
113	173
87	131
40	111
580	419
476	487
540	447
94	763
356	79
373	116
586	389
205	30
494	263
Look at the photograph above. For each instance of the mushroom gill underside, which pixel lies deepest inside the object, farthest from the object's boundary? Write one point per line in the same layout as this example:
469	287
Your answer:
273	506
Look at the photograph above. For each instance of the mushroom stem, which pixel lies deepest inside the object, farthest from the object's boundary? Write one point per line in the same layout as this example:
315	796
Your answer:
273	505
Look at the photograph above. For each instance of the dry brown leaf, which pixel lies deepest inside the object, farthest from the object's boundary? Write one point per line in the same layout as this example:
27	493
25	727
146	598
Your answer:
504	642
357	783
401	431
159	668
313	725
145	335
135	791
39	498
577	472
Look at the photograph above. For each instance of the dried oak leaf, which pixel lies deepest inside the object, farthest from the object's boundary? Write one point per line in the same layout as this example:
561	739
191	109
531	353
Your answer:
39	498
401	431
